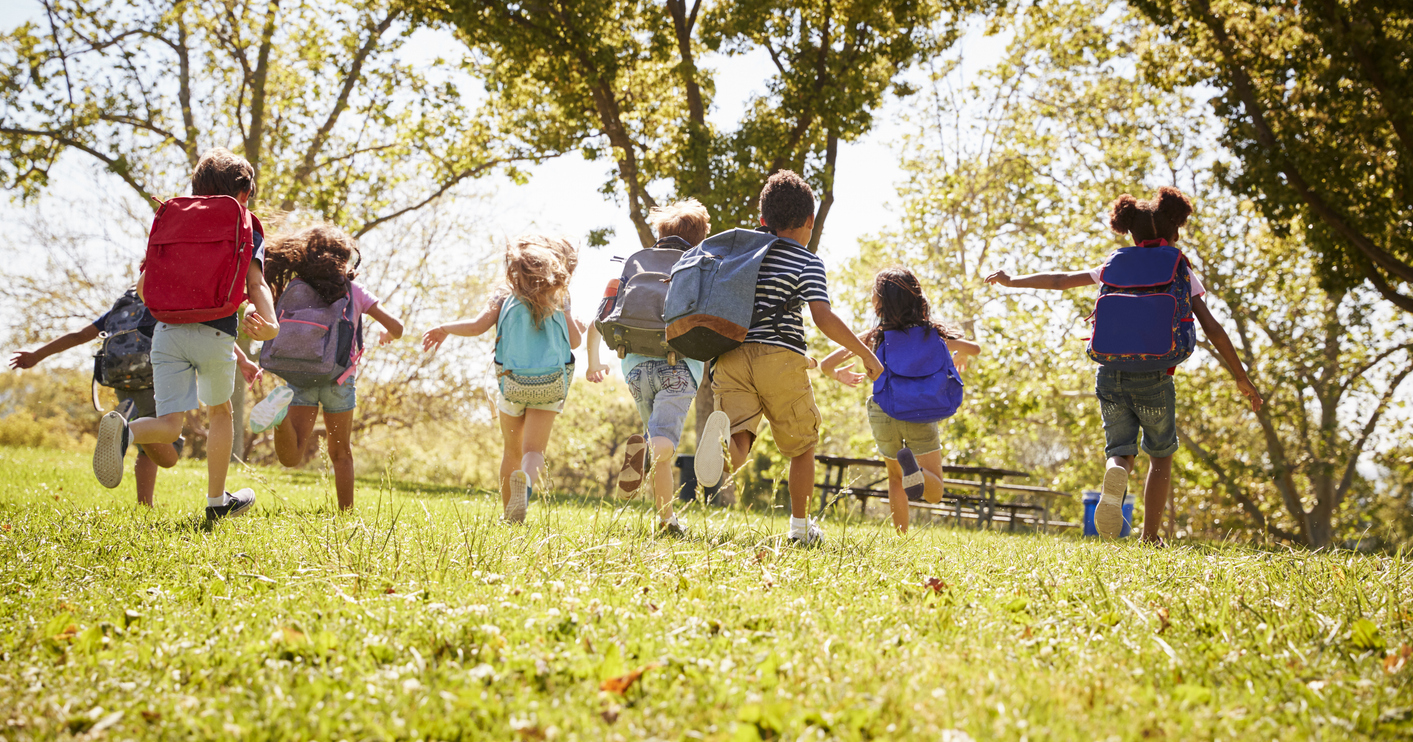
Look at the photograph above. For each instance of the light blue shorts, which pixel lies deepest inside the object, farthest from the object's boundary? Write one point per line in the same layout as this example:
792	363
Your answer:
192	365
334	398
663	395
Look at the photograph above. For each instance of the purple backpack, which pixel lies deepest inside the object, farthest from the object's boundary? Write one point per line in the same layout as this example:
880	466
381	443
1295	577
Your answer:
318	344
1143	316
920	384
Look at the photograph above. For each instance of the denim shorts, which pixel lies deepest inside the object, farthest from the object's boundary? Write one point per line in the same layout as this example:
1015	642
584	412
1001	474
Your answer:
334	398
893	435
192	365
1133	401
663	394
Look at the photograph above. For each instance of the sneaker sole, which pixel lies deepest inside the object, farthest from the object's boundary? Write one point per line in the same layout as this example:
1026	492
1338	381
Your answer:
515	509
709	462
912	474
1109	513
262	416
630	477
108	453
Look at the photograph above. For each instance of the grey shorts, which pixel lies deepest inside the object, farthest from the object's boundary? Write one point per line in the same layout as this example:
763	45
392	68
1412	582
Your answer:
1133	402
192	365
663	394
893	435
334	398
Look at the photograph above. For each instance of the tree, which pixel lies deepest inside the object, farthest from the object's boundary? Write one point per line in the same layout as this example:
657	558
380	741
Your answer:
623	79
1317	104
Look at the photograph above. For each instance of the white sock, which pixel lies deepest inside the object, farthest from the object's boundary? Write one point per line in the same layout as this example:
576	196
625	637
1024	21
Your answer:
216	502
799	525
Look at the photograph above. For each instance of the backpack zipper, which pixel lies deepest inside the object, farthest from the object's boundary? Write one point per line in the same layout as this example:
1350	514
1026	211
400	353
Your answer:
236	277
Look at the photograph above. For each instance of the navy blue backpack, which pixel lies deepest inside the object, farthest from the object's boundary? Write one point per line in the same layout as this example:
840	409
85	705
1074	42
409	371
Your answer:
1143	316
920	384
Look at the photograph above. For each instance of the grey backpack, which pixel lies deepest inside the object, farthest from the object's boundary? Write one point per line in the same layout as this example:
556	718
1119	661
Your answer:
630	320
318	342
124	359
711	300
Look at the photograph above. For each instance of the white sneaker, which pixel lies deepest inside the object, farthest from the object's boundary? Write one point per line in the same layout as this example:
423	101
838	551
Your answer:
519	497
271	410
1109	513
813	535
710	459
111	447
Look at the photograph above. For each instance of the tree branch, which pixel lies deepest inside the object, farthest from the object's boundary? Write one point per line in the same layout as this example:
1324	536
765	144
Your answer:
1241	497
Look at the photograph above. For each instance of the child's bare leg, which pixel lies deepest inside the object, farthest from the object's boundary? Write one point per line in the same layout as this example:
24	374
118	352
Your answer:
340	428
1155	496
662	476
512	433
739	446
1125	461
897	498
145	475
161	454
164	429
801	483
292	434
537	433
931	465
219	437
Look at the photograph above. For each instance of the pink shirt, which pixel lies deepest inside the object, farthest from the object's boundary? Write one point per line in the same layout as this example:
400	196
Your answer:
362	302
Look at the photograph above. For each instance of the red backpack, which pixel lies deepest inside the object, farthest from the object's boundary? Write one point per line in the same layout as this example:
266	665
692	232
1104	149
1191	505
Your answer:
198	253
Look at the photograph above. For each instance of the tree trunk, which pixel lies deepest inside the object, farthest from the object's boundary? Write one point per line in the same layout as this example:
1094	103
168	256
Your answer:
826	199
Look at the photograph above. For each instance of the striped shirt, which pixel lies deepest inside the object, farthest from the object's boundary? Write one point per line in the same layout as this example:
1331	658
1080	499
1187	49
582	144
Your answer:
788	272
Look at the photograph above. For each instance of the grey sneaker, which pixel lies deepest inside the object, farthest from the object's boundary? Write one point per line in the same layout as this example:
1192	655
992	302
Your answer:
813	536
519	497
237	503
112	447
1109	513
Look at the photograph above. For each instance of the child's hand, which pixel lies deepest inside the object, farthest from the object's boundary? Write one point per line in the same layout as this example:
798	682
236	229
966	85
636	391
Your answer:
847	376
872	367
960	360
433	339
24	359
385	337
596	373
1249	389
257	328
999	277
249	370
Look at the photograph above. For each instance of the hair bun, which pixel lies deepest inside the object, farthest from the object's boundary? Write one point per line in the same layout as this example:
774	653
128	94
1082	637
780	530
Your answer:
1173	208
1122	214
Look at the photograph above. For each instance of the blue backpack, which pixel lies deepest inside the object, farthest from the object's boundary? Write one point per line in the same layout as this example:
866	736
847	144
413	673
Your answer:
920	384
534	365
1143	316
711	296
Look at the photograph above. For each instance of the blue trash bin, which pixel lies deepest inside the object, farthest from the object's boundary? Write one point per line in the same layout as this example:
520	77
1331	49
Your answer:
1091	501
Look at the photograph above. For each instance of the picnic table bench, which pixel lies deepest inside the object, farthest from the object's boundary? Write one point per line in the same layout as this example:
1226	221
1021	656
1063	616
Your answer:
978	495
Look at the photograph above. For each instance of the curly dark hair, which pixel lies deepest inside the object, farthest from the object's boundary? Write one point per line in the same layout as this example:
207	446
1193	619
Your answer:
899	303
319	256
786	201
1158	218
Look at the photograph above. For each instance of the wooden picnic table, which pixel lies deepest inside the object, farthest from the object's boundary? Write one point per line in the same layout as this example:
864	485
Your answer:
986	481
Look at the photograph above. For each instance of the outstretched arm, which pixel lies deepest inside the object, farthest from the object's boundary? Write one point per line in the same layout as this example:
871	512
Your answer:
1218	336
1052	281
597	370
392	327
433	338
262	325
846	375
28	358
835	329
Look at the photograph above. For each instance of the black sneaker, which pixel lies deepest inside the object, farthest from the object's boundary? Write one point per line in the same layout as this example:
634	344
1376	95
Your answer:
125	408
237	503
180	442
671	528
111	448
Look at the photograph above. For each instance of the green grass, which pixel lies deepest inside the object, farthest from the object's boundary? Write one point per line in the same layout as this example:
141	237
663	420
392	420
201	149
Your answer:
421	616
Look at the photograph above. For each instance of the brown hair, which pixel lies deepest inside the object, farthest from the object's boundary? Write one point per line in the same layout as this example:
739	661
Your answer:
537	271
786	201
899	303
687	219
1158	218
317	255
221	172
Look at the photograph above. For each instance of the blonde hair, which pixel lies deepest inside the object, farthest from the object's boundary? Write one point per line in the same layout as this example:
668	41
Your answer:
687	219
537	271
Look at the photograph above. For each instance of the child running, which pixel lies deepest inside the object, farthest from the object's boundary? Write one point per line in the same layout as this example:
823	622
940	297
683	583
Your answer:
911	451
1133	401
194	355
535	339
662	392
320	260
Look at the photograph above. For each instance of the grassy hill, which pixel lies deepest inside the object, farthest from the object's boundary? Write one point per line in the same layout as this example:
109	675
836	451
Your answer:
421	616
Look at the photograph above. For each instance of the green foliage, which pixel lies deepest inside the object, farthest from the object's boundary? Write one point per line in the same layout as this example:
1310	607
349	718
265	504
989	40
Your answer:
420	616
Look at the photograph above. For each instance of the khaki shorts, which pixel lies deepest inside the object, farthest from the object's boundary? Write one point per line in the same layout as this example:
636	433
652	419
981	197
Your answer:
758	380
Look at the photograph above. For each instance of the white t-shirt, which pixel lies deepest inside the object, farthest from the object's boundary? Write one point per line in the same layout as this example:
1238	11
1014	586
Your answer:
1195	285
